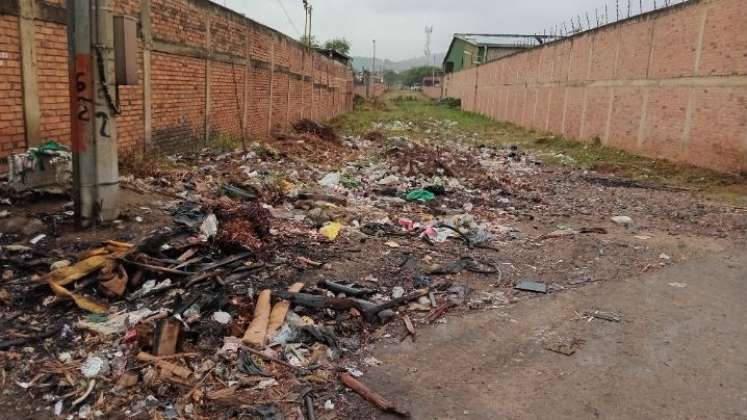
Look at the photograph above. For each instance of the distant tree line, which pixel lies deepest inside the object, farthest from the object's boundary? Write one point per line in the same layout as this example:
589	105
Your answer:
339	44
410	77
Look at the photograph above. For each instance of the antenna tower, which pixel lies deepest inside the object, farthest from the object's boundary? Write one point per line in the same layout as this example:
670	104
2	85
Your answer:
428	33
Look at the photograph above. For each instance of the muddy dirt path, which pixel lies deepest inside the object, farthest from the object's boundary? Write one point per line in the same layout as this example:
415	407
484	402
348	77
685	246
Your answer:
676	354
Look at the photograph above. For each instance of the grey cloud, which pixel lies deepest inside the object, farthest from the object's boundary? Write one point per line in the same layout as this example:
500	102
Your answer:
398	25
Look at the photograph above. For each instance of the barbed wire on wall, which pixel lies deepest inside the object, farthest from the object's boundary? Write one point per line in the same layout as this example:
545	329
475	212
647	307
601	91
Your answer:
611	11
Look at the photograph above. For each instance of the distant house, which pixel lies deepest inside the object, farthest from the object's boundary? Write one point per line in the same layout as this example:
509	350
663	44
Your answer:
432	81
335	55
469	50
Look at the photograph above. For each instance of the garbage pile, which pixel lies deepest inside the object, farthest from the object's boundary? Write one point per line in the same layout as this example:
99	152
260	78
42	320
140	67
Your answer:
47	167
268	276
216	309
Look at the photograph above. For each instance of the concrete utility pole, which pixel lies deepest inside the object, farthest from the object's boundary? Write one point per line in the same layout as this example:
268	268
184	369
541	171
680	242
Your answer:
311	44
305	19
433	77
367	82
93	128
374	57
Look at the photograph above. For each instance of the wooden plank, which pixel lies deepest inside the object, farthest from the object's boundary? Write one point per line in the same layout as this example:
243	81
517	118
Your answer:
257	331
279	311
166	337
31	112
175	369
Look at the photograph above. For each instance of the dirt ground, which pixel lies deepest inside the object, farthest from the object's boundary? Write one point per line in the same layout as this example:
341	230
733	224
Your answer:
673	271
677	354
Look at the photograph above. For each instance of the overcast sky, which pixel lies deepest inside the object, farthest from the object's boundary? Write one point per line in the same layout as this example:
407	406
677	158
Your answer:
398	25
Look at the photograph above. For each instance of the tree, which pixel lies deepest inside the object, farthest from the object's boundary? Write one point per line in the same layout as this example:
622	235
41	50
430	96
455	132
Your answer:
416	74
391	77
341	45
305	41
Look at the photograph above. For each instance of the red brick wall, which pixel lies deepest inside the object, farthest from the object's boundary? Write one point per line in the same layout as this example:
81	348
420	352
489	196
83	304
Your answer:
670	84
11	100
52	78
178	100
186	34
433	92
377	89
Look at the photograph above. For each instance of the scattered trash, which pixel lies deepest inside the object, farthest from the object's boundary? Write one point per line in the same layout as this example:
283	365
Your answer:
16	248
59	264
169	367
410	327
622	220
243	193
332	179
331	230
249	366
605	315
322	131
114	324
166	337
421	195
565	346
209	227
93	366
19	225
235	285
531	286
257	331
58	406
371	361
678	285
45	168
279	312
223	318
466	263
372	396
389	180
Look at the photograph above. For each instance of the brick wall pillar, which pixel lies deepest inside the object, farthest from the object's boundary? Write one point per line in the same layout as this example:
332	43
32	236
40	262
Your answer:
208	56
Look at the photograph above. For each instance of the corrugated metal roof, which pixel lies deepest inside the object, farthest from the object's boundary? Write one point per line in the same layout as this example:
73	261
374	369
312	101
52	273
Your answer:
503	40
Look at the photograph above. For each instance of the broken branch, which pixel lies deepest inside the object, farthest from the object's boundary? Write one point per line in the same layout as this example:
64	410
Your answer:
372	396
177	370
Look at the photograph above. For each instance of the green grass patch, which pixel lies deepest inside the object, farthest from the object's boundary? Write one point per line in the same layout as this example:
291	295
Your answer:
143	165
224	143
